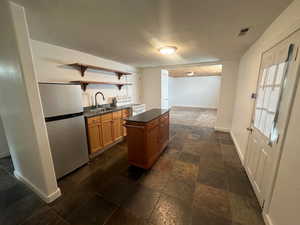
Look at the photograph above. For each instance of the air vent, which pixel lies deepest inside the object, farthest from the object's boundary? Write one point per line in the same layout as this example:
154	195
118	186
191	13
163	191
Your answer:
244	31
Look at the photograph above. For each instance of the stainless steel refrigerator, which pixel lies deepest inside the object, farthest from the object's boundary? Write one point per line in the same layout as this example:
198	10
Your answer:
63	111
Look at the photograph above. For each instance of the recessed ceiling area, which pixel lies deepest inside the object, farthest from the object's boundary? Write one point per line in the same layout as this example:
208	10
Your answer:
132	31
208	70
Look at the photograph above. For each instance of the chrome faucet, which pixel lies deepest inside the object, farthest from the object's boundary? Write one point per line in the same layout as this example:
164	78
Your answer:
99	92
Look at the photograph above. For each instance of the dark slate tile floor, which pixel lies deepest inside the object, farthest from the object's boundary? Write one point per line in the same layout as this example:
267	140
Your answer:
198	180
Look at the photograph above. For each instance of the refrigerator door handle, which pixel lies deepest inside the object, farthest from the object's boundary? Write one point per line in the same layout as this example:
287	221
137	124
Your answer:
62	117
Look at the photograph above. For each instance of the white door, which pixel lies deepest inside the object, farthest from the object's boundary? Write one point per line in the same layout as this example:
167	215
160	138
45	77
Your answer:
275	91
164	89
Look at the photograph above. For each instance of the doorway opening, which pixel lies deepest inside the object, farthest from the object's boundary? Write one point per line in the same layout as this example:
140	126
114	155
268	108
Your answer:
193	95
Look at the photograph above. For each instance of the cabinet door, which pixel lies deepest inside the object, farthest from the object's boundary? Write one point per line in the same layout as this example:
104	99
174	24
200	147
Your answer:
107	132
95	139
117	125
152	142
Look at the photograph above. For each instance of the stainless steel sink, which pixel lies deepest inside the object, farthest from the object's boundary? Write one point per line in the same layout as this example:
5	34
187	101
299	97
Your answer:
101	109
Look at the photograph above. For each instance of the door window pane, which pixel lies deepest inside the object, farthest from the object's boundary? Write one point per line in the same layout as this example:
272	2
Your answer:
268	124
280	73
268	97
263	77
274	98
260	98
271	75
266	103
257	117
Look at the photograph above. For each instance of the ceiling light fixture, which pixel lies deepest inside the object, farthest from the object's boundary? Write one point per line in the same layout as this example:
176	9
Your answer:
190	74
168	50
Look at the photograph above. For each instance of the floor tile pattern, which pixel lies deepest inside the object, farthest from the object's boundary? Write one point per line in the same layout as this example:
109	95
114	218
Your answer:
198	180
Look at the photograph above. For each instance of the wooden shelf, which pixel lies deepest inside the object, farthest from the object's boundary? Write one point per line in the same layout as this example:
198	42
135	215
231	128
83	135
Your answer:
83	67
85	83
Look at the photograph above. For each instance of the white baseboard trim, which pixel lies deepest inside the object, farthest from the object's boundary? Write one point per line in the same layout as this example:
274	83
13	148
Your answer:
222	129
194	107
4	154
267	219
238	149
47	198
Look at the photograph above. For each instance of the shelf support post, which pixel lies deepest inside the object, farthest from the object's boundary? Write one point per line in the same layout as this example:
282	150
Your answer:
84	86
119	75
120	86
82	70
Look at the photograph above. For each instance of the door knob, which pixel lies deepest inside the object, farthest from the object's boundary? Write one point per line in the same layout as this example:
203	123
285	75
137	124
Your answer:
249	129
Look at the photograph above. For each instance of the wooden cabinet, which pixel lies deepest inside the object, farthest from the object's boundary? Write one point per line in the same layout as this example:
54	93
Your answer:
146	140
95	137
117	129
104	130
107	132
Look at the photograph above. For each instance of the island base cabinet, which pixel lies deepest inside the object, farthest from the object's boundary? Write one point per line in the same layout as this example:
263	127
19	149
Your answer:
146	141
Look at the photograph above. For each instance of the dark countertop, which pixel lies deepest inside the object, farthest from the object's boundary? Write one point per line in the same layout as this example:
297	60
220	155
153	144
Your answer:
147	116
89	113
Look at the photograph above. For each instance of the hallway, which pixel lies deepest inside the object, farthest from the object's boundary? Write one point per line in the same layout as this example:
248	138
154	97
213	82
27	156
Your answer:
199	180
193	116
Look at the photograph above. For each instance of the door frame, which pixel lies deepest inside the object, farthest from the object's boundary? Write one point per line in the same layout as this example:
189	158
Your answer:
277	158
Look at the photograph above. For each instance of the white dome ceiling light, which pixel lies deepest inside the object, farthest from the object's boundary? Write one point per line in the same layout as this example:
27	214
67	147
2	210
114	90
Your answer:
190	74
168	50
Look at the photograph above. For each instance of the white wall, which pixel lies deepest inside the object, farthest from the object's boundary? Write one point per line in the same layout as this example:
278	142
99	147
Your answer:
20	106
151	87
3	142
284	208
50	62
200	92
227	95
286	23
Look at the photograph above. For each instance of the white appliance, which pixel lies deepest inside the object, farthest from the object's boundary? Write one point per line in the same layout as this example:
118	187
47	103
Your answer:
63	111
126	100
138	109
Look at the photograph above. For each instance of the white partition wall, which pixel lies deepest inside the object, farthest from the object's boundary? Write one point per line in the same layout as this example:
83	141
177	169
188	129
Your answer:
202	92
20	106
3	142
165	89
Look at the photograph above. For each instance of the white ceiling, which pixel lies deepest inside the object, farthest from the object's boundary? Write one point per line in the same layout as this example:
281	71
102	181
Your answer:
131	31
207	70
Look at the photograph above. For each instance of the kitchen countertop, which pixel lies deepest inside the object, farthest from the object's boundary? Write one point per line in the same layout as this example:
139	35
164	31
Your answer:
88	113
147	116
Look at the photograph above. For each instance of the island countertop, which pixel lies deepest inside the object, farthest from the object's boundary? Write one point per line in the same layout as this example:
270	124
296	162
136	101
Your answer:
147	116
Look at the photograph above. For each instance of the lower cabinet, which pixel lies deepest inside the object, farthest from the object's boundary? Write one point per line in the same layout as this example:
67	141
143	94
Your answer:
95	137
104	130
117	129
107	132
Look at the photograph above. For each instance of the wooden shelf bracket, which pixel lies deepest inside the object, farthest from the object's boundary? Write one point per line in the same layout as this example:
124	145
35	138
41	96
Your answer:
84	84
83	67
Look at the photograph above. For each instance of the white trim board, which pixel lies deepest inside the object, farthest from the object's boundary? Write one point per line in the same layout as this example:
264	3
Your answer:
238	149
267	219
47	198
194	107
222	129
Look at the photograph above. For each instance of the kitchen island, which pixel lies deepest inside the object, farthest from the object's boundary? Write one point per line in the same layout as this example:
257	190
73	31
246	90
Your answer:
147	137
